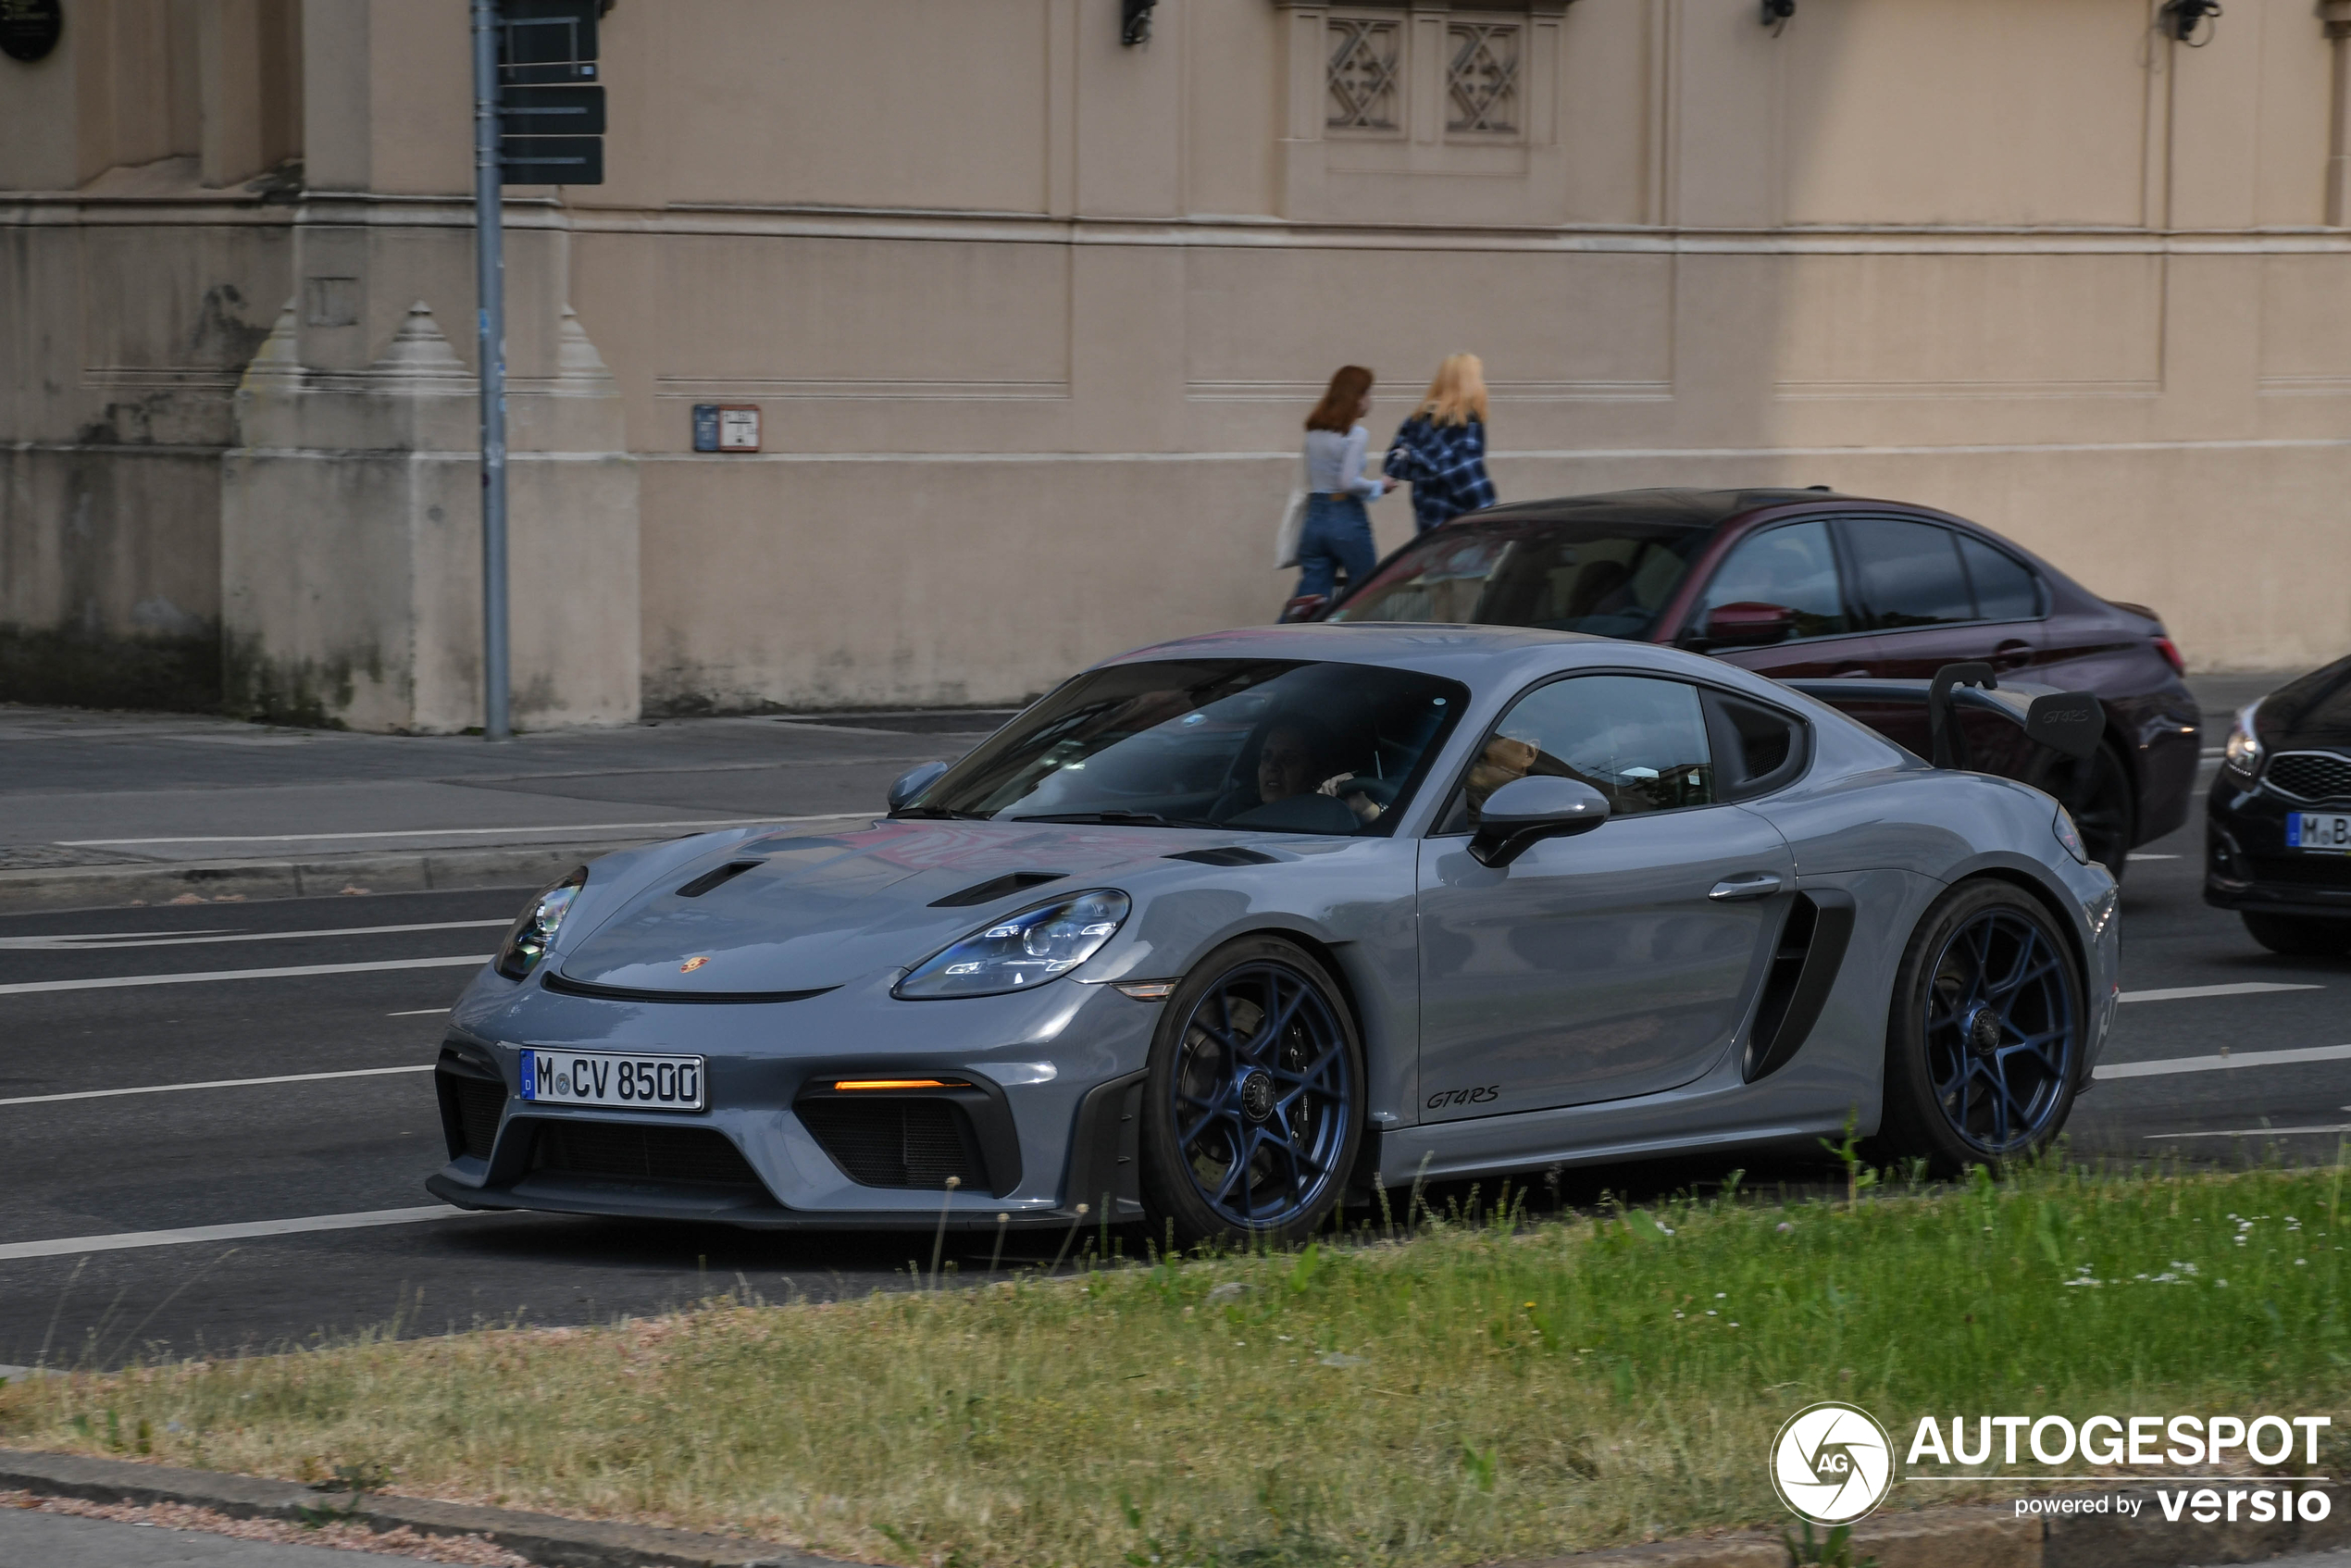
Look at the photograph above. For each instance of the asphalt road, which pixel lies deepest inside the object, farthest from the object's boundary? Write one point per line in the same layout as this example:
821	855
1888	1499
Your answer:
354	1130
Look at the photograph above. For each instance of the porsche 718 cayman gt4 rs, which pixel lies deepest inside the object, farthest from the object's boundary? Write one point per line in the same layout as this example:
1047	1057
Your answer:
1223	930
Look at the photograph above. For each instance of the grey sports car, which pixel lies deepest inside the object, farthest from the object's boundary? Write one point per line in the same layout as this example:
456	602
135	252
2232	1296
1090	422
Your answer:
1222	931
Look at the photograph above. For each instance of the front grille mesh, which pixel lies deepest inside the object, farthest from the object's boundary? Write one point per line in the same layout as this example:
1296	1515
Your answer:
893	1142
635	1153
469	1109
2306	871
2311	776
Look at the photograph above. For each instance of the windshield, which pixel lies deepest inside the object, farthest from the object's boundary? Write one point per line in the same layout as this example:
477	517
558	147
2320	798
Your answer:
1266	745
1601	577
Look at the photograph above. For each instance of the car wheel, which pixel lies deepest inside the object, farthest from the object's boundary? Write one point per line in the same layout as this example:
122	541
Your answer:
2299	936
1253	1104
1986	1032
2097	793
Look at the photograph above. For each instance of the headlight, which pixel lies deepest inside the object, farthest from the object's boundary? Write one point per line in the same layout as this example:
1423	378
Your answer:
529	938
2243	756
1022	950
2070	836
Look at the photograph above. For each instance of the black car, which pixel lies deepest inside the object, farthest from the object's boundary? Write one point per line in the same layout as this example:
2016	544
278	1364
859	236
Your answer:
1804	584
2277	836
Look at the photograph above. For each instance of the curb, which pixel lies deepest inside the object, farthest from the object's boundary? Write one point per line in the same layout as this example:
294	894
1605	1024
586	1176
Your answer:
1980	1536
542	1537
103	887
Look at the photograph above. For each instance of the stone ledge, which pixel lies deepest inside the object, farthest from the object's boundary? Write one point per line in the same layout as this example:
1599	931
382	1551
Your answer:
1976	1536
542	1537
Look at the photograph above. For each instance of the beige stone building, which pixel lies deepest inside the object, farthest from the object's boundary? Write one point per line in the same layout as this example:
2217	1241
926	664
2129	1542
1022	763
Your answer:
1032	317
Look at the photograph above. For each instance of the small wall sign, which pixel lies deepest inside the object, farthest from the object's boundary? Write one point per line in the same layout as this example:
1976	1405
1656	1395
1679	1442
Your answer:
28	29
722	426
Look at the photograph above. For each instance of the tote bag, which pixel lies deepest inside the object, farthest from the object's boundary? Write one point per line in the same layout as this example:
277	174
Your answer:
1293	526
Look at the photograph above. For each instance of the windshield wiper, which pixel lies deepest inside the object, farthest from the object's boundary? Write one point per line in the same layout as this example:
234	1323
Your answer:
1118	818
940	812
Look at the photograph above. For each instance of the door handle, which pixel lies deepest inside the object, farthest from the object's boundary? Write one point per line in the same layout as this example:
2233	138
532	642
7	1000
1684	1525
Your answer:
1751	885
2012	654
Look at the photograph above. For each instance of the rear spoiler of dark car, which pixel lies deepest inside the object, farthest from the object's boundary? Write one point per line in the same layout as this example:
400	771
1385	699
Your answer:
2069	723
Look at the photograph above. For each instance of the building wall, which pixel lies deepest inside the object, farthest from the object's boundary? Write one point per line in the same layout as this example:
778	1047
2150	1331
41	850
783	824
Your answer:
1033	317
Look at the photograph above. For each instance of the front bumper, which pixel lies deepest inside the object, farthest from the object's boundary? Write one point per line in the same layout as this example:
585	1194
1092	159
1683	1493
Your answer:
2247	865
1036	1119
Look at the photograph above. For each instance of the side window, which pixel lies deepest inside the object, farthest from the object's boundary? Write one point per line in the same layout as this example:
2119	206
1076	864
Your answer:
1639	740
1757	749
1792	567
1909	573
2006	589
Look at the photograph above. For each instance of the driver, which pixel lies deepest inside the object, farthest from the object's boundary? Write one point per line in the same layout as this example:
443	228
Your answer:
1296	759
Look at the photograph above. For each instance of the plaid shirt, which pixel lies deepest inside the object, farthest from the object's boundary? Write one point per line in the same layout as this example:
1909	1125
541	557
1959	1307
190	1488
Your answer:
1446	466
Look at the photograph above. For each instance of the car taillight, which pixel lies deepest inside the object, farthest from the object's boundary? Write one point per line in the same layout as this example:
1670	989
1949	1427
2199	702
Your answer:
2170	651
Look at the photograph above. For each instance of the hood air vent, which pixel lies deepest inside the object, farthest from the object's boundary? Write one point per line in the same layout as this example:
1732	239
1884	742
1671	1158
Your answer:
710	879
998	887
1230	854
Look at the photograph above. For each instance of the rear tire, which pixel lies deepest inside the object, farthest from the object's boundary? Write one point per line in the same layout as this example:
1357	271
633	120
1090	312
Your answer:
1984	1037
1253	1099
2299	936
2098	793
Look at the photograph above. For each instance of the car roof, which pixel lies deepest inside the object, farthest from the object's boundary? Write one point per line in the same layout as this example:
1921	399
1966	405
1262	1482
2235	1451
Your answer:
1481	657
1663	507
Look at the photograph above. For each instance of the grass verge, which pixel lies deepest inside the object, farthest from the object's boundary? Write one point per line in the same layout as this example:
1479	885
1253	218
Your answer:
1479	1390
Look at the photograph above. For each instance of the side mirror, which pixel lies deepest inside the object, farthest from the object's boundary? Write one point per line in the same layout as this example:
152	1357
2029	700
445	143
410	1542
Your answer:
1750	624
1525	811
914	781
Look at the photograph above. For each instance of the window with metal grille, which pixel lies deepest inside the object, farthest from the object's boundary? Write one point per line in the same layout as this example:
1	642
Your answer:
1481	77
1363	89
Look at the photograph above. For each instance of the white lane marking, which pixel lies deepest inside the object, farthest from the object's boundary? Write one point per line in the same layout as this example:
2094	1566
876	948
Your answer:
2254	1132
2168	1064
214	1083
2142	855
416	1012
2242	987
457	832
66	1246
293	971
99	941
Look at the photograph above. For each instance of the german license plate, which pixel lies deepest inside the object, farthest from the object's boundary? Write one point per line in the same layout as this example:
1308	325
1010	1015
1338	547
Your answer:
629	1082
2319	832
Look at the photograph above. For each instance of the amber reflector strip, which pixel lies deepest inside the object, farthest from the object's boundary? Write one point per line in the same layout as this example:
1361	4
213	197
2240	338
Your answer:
852	1084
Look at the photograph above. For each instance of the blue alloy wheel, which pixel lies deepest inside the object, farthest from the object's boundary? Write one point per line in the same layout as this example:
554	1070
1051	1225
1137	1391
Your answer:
1261	1101
1985	1038
2003	1032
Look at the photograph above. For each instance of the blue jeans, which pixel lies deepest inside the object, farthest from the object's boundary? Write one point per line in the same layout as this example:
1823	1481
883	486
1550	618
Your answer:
1338	534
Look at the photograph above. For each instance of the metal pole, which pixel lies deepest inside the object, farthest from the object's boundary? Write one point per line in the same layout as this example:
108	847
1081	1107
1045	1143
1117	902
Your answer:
490	272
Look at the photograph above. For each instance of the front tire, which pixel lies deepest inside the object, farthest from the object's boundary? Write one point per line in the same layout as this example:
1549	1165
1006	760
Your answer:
1253	1100
1985	1038
2299	936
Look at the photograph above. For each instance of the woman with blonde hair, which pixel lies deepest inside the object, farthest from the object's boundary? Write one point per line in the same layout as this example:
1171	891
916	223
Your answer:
1440	450
1337	532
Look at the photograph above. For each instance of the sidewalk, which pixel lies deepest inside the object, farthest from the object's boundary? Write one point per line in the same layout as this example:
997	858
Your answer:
109	808
105	808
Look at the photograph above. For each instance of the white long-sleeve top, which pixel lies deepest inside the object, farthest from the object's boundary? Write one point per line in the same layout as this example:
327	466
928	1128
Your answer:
1334	464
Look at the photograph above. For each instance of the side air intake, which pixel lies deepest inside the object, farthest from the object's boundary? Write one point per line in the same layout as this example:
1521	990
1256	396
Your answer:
1812	949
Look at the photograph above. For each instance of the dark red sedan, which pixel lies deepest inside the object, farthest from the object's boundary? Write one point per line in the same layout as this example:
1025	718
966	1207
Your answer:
1794	583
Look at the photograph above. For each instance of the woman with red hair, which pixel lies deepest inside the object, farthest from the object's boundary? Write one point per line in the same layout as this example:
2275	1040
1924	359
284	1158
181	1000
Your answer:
1338	534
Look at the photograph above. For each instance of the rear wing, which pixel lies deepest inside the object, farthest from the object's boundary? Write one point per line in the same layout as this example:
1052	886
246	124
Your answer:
2069	723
